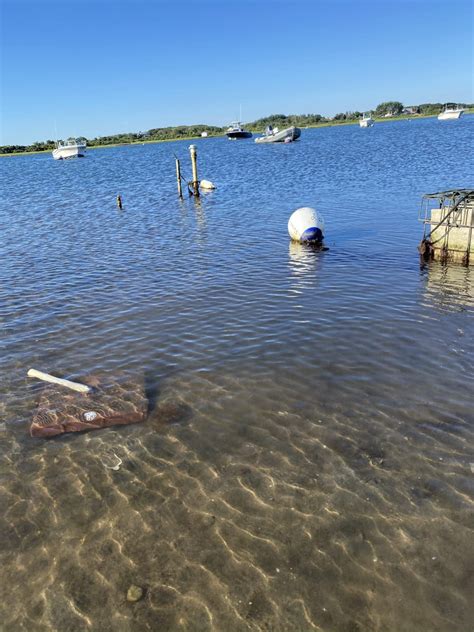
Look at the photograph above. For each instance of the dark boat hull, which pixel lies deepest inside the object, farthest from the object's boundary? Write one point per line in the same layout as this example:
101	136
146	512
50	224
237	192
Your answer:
236	135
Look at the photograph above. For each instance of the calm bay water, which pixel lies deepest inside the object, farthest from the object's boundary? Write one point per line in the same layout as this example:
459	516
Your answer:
317	470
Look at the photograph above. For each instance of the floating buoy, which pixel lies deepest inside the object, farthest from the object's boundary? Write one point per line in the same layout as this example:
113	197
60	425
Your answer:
207	184
306	225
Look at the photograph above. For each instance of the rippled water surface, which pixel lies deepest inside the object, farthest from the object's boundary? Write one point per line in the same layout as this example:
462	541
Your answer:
307	462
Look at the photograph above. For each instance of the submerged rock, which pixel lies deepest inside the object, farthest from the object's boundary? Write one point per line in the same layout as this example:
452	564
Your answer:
171	413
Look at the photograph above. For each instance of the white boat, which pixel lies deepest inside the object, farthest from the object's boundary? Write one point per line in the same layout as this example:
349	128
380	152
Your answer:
450	113
274	135
236	131
72	148
366	121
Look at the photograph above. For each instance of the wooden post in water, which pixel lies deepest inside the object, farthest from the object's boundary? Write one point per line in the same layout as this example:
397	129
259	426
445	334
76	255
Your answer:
178	178
119	201
193	152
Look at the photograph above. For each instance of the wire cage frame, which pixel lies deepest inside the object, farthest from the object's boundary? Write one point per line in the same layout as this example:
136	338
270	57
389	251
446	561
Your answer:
448	223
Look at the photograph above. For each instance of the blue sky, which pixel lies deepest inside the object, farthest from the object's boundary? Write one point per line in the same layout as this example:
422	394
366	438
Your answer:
98	67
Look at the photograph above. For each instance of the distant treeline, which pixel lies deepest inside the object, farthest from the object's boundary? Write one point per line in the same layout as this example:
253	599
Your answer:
384	110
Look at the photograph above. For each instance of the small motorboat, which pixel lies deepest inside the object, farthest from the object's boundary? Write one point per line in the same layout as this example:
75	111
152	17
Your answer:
235	131
366	121
450	113
72	148
274	135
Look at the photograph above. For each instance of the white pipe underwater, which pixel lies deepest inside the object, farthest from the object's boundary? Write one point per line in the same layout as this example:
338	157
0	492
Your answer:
75	386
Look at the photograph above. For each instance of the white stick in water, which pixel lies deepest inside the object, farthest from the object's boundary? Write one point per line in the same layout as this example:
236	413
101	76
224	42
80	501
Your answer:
80	388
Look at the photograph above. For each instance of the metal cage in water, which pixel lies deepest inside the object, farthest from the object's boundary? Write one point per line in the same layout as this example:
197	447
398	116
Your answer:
448	226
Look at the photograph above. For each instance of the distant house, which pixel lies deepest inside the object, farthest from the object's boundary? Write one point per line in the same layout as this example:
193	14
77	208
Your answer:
204	134
411	110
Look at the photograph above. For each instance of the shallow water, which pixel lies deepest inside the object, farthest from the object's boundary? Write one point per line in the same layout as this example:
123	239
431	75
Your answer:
308	462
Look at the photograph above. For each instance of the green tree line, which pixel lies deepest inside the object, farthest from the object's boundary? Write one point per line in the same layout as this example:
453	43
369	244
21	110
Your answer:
388	108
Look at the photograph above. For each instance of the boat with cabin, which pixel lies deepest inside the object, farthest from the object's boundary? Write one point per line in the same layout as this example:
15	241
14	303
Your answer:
72	148
274	135
235	131
366	120
450	113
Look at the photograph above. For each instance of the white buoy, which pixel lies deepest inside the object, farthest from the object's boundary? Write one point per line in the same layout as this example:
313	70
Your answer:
306	225
207	184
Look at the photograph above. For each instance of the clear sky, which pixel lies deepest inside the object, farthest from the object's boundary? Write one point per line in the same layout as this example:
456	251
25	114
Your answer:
98	67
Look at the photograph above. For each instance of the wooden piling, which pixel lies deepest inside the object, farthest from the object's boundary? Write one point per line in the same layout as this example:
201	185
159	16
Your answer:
178	178
119	201
195	183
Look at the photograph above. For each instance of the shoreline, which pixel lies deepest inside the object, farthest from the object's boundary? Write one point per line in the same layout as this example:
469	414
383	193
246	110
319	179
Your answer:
172	140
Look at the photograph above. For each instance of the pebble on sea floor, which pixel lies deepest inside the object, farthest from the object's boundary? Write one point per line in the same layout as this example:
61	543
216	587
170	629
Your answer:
135	593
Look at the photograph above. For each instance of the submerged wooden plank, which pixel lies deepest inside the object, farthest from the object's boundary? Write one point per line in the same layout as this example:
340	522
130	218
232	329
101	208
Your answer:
112	401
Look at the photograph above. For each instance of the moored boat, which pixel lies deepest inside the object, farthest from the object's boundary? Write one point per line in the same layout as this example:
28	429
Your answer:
366	121
235	131
72	148
450	113
274	135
